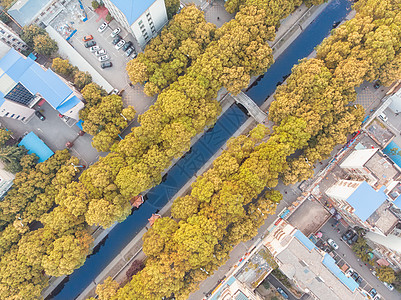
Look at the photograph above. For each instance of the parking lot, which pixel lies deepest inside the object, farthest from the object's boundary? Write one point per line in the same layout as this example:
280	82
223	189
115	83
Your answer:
116	75
344	254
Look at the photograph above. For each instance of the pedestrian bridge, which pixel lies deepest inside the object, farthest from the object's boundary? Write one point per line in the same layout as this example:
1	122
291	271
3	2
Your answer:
254	110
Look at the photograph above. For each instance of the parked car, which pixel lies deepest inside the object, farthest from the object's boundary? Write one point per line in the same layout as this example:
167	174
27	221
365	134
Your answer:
129	51
332	244
388	285
134	55
100	52
116	40
87	38
94	48
377	84
353	239
349	272
282	293
373	293
359	280
102	27
127	45
119	44
346	236
40	115
90	44
107	64
104	58
377	297
115	32
383	117
355	276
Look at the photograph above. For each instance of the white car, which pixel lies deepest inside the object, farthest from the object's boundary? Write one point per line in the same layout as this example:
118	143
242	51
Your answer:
388	285
350	271
332	244
377	297
102	27
100	52
104	58
383	117
119	44
94	48
115	32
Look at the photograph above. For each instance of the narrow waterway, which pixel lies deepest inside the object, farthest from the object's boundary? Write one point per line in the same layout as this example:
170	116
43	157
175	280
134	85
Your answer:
200	152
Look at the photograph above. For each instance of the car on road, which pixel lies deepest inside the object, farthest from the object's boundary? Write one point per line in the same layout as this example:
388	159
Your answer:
353	239
119	44
94	48
87	38
282	293
116	40
388	285
107	64
332	244
127	45
373	293
102	27
355	276
90	44
100	52
104	58
115	32
129	51
346	236
40	115
383	117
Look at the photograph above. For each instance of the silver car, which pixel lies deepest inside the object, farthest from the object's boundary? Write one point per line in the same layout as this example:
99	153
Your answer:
115	32
104	58
100	52
102	27
119	44
94	48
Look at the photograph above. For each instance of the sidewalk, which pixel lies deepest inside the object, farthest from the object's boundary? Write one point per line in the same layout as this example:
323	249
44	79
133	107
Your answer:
117	268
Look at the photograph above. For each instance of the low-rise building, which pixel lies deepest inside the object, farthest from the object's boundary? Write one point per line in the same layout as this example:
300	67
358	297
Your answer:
23	83
311	269
6	180
142	18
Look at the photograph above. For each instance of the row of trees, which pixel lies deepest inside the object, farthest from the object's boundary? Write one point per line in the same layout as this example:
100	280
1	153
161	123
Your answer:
43	230
70	72
104	116
38	39
320	90
169	54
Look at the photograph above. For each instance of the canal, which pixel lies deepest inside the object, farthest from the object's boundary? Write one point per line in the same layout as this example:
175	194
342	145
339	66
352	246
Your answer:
201	152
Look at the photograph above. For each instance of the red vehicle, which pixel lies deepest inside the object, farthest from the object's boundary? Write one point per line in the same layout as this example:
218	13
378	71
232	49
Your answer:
87	38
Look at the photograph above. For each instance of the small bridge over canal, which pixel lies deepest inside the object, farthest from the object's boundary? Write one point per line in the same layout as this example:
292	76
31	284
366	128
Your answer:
254	110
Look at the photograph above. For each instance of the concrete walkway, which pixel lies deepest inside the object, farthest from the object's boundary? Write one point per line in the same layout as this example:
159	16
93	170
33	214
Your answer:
117	268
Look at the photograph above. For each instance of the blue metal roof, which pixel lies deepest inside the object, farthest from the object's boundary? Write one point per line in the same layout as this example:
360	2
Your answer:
365	200
241	296
24	11
304	240
330	263
38	80
395	157
68	104
35	145
397	202
132	9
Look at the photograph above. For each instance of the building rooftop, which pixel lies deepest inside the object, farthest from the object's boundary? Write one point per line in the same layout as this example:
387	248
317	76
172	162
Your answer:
35	145
365	200
24	11
383	218
358	157
317	272
382	168
132	9
16	69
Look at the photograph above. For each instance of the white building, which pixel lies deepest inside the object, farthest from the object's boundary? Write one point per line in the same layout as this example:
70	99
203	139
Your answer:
142	18
9	37
6	180
26	12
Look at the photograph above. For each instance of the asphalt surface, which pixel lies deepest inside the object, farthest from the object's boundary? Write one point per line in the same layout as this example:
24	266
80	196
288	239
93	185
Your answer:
345	252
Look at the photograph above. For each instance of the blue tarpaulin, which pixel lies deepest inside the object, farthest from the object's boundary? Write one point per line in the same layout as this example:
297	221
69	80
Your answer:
35	145
330	263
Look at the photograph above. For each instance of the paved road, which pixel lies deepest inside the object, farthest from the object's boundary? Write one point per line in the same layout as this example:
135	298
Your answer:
276	283
346	253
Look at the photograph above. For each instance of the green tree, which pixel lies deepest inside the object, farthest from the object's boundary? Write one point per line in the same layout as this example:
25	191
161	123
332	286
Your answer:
44	45
11	156
107	289
4	136
385	274
81	79
172	7
30	32
184	207
63	66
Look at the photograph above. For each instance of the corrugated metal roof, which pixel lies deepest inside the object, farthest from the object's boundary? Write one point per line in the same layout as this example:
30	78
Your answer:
35	145
365	200
24	11
67	105
304	240
241	296
132	9
330	263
